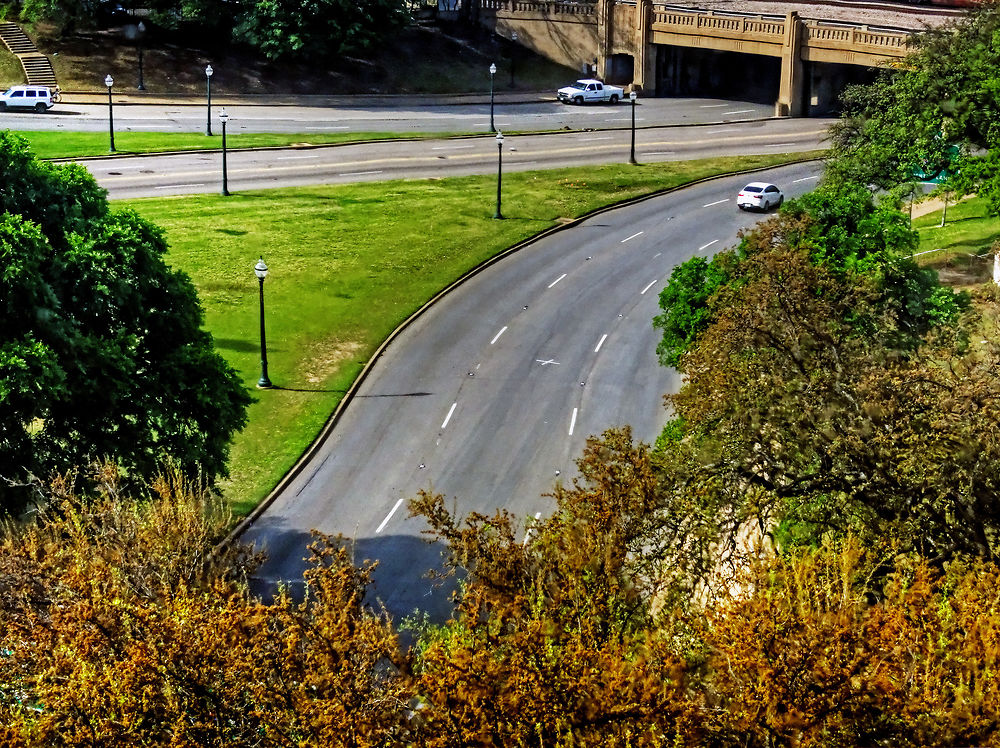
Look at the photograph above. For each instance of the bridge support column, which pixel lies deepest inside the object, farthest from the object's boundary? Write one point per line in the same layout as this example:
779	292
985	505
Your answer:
792	80
605	35
644	75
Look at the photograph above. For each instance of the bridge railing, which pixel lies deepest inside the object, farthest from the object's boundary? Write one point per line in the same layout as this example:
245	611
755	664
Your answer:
708	21
539	6
818	33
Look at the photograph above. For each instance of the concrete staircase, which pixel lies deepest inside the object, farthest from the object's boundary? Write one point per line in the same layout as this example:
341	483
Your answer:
37	67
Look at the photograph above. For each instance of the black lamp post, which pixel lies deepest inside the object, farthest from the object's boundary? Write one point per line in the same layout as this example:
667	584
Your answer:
498	214
513	49
493	71
208	93
224	118
631	158
260	270
109	82
140	31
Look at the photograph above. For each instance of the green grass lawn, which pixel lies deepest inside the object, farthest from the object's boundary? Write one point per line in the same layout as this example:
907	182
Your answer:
46	144
955	249
348	264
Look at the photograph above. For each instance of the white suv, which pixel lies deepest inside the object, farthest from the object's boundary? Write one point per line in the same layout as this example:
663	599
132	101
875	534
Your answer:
39	98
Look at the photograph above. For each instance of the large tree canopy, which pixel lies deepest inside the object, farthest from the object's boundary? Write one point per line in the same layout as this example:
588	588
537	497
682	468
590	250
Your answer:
101	349
938	114
830	387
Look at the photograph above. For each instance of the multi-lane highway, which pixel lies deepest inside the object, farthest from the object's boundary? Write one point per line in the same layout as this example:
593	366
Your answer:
489	396
185	173
342	115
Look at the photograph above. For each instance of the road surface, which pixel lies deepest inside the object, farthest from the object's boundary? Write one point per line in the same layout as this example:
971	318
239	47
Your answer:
489	396
201	172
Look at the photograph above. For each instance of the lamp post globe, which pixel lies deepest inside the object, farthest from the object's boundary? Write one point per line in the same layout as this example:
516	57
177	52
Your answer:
498	214
513	38
260	270
493	71
208	96
224	118
109	82
632	98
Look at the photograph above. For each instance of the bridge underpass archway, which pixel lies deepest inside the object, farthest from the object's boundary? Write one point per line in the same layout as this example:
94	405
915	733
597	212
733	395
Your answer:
686	71
825	81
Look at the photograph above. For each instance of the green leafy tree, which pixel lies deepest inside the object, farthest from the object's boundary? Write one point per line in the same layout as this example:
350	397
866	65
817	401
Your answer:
935	115
840	228
102	353
318	29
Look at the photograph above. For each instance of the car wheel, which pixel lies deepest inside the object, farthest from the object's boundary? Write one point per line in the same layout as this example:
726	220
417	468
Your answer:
3	106
780	201
614	98
40	107
578	100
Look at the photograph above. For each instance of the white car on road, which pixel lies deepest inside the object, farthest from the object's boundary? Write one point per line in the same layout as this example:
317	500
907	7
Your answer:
588	90
759	196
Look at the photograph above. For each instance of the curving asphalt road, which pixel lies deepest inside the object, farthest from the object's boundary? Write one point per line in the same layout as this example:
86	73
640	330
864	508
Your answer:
489	396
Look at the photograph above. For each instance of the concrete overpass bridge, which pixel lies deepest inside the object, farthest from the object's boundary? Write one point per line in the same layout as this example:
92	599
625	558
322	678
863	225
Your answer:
799	63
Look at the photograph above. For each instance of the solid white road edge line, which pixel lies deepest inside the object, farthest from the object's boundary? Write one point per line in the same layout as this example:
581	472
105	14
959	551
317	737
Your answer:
717	202
648	287
706	246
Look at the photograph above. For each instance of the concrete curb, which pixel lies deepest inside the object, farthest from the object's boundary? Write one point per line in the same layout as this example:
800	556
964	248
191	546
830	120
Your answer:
244	524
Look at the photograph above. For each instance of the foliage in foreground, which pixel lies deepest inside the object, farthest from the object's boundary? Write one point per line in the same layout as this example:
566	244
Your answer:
123	623
101	348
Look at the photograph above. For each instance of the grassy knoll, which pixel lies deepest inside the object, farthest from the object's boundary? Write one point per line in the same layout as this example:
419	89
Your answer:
955	249
348	264
46	144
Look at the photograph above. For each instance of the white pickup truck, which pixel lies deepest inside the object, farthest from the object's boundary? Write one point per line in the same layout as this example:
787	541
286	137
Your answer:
588	90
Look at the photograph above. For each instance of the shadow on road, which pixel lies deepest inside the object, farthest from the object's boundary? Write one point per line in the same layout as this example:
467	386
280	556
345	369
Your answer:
401	581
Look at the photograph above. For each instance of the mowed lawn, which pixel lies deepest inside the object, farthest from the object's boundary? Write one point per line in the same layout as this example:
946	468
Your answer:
55	145
348	264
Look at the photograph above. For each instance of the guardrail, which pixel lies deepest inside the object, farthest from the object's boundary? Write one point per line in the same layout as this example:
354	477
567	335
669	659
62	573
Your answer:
537	6
709	21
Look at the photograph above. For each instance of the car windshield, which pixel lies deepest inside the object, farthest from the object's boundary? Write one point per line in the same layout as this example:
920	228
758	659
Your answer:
579	85
8	92
751	188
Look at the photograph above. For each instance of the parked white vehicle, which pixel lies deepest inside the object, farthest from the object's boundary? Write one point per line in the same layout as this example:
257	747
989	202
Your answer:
589	90
39	98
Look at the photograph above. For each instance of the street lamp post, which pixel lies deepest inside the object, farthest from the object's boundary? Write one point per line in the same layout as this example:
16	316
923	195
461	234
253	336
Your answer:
631	158
513	49
208	94
260	270
140	32
224	118
498	214
493	71
109	82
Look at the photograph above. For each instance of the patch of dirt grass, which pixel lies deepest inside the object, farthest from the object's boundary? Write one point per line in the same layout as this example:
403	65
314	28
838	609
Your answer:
426	57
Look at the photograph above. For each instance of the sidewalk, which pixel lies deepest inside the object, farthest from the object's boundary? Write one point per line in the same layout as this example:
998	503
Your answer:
390	101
